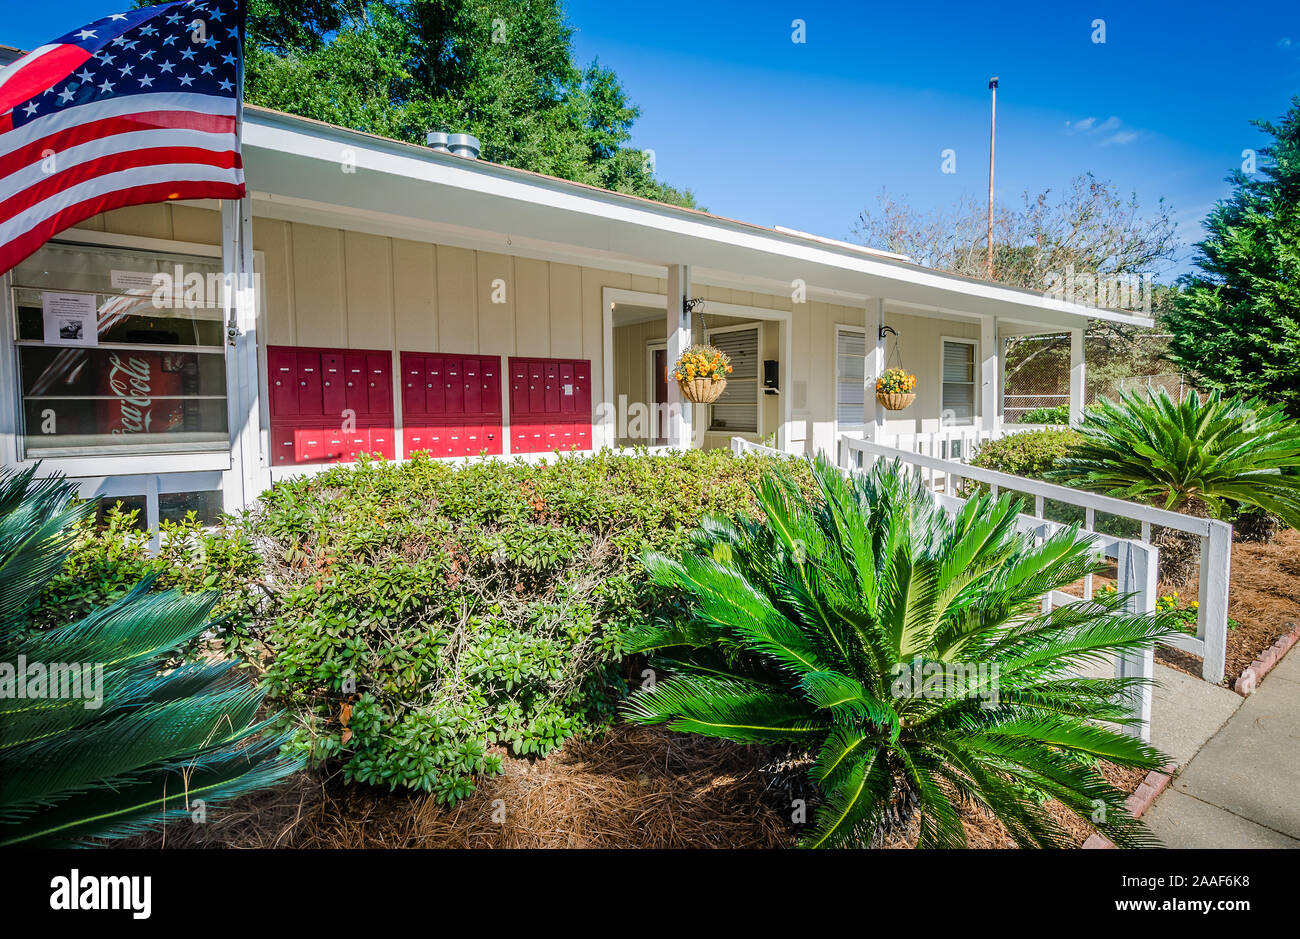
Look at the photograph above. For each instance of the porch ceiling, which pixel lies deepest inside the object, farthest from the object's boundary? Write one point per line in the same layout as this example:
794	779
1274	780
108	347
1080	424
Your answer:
314	172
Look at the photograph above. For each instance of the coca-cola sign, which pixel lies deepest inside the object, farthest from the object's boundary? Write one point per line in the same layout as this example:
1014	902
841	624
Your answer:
134	383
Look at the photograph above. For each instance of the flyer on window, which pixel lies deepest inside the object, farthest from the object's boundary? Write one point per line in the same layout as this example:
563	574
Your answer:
70	319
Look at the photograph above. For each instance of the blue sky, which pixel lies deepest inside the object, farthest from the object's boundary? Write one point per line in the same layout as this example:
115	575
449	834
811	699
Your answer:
807	134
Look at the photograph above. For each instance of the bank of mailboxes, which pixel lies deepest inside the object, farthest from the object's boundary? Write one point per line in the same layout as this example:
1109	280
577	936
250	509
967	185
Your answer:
451	404
550	405
329	405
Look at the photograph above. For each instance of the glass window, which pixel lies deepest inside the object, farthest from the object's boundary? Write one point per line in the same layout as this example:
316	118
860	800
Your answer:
120	352
959	379
206	505
736	410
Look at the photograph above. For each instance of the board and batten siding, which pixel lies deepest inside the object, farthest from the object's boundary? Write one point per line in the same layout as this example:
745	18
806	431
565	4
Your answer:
331	287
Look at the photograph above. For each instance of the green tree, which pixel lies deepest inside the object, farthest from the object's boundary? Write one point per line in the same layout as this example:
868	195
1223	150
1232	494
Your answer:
504	72
1237	323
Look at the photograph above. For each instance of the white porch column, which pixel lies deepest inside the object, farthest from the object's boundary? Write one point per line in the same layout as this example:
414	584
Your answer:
680	428
247	475
873	414
1078	376
990	375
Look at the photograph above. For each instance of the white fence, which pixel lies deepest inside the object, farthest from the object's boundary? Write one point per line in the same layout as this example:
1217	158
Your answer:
1135	563
947	475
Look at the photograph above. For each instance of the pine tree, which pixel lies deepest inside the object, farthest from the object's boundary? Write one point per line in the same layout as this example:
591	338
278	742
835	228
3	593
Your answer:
1237	324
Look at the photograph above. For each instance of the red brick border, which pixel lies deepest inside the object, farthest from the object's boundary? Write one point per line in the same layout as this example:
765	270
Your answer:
1254	673
1138	802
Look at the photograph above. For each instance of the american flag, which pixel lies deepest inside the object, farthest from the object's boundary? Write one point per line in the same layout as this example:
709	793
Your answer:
134	108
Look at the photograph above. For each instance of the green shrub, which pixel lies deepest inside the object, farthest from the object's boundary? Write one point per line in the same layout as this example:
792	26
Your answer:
1060	414
110	556
1201	457
418	615
1031	453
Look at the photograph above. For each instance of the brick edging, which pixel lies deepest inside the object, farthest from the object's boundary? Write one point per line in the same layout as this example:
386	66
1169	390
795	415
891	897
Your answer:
1254	673
1138	802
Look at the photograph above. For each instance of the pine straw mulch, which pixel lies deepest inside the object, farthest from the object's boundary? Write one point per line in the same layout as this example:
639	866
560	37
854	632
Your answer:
1263	597
633	787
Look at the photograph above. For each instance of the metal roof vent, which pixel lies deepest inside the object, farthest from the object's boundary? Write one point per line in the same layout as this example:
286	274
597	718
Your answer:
437	139
465	145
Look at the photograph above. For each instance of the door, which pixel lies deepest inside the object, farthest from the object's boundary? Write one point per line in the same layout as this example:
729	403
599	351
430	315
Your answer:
659	374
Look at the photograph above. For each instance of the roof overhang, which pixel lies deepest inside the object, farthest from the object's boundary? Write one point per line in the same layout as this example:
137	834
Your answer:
310	171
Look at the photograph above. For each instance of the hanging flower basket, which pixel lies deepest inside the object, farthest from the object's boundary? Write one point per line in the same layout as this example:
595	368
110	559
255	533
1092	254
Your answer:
702	390
894	402
701	373
895	389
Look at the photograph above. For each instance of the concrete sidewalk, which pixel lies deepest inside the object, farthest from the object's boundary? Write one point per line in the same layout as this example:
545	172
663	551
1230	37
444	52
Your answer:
1238	790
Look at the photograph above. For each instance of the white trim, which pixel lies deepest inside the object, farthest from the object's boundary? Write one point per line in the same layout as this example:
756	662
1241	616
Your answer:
625	220
977	408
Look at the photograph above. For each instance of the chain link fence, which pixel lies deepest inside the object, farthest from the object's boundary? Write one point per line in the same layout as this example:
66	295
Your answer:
1036	375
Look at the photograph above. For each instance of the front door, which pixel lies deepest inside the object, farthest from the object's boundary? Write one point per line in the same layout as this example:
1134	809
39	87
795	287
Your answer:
661	395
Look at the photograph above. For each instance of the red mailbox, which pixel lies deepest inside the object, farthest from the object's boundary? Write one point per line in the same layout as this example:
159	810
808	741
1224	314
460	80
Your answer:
451	404
550	405
329	405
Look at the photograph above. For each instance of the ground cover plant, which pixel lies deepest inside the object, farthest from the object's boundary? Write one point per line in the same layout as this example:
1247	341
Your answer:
823	625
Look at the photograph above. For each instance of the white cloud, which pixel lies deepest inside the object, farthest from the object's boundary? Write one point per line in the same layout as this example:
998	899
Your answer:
1121	138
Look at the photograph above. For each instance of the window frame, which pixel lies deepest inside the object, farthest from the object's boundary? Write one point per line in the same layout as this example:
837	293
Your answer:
107	464
861	425
757	327
975	378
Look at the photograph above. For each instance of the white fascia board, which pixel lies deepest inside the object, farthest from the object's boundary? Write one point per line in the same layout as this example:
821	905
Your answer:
686	229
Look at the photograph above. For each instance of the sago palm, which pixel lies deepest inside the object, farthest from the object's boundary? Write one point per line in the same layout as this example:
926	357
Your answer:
1192	456
101	735
908	652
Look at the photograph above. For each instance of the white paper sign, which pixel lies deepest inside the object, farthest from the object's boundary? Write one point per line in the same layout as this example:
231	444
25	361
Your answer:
70	319
132	280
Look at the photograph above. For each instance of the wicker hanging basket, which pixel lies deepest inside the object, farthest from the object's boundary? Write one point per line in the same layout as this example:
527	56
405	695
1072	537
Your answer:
702	390
895	401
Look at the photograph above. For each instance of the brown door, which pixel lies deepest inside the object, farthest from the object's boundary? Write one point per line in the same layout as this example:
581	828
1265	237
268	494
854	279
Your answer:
661	394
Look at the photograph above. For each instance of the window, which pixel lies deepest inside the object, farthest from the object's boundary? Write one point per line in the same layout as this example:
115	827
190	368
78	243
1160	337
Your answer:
959	378
736	410
850	377
120	352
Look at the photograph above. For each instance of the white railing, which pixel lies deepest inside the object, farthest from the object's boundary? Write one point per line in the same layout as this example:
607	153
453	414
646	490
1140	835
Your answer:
1135	573
955	442
946	476
740	446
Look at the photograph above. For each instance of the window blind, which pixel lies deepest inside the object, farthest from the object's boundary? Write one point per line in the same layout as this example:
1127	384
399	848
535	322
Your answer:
850	377
959	379
736	410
